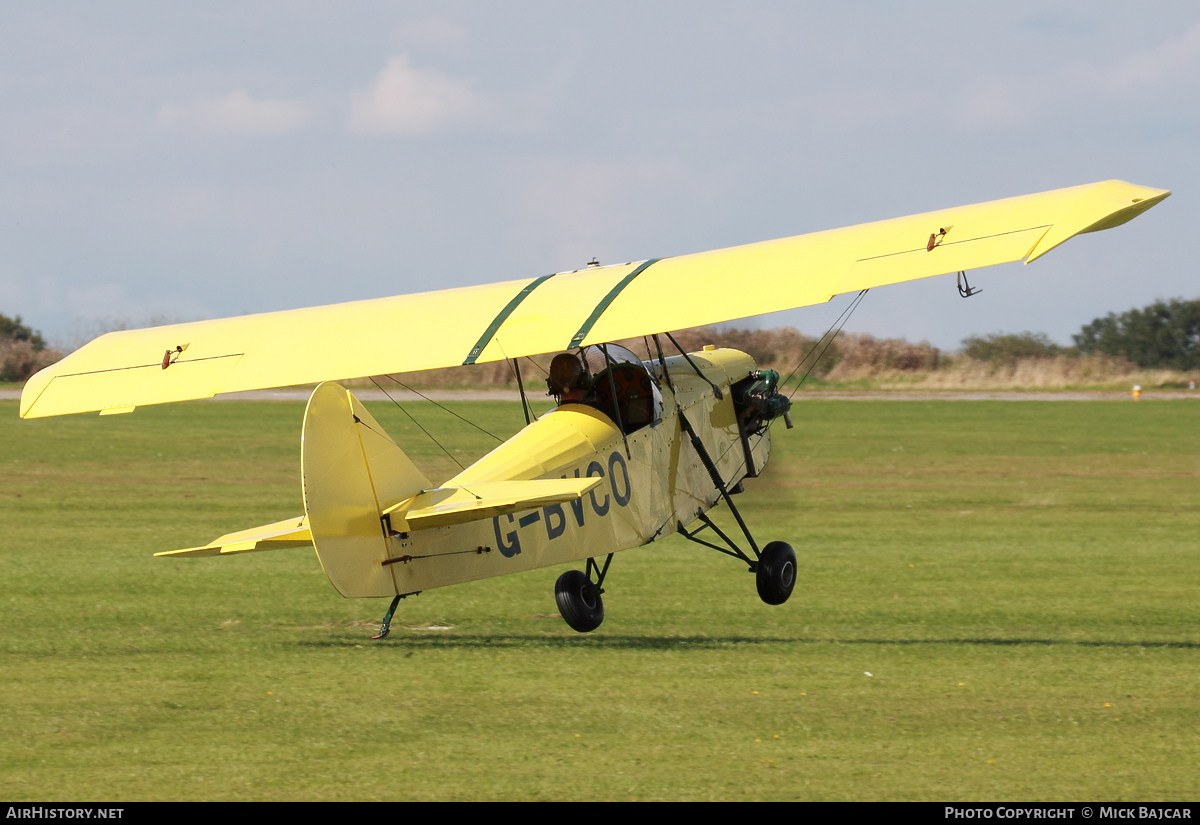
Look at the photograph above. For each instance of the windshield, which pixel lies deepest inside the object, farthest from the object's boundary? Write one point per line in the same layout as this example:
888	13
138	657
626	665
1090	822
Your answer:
638	400
593	357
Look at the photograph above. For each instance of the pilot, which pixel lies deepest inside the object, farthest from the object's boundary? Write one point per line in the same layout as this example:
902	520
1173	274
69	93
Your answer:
568	380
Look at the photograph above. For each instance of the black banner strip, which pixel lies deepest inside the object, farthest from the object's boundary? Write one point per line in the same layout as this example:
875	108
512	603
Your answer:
488	333
608	299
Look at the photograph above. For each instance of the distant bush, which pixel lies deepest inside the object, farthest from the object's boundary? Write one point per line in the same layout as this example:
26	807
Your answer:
22	350
781	348
12	329
19	359
1009	347
1163	334
862	353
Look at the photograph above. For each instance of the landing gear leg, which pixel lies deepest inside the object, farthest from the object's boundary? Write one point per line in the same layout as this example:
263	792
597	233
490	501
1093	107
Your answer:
578	597
774	566
774	570
386	627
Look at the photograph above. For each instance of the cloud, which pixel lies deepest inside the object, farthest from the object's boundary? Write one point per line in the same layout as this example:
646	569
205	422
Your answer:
1001	102
850	109
994	103
236	113
1155	67
406	100
579	208
434	34
1058	24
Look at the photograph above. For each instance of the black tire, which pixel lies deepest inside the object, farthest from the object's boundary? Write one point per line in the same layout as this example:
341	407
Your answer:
578	602
776	575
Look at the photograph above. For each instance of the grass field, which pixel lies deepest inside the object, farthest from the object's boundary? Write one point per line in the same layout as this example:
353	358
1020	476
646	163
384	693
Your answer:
997	600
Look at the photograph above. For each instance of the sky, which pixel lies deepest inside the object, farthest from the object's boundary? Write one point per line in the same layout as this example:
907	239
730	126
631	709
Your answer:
190	161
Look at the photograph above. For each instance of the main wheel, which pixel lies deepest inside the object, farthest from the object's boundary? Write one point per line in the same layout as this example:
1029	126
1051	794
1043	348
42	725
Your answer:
578	602
776	575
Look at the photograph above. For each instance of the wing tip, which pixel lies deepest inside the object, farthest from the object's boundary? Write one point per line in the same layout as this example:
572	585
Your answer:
1120	202
33	389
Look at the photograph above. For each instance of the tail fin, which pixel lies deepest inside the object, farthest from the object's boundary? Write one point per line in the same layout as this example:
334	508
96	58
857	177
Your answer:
351	472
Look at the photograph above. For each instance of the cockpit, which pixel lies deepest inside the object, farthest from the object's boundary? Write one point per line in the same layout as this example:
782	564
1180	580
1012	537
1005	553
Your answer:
612	380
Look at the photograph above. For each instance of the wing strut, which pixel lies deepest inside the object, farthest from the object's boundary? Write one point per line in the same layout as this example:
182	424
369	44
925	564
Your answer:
683	352
521	387
612	386
662	363
713	473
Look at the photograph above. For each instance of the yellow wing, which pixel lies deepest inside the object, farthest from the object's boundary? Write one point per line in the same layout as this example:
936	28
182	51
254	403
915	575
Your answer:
123	370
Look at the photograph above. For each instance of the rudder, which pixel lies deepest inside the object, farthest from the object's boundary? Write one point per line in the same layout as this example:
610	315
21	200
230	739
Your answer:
351	471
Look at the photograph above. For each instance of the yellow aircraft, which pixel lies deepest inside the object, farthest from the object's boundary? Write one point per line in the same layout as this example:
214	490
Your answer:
636	450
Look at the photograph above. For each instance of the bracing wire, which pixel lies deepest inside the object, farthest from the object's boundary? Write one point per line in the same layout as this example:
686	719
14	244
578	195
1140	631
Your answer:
839	322
545	371
835	328
418	423
526	404
440	407
817	343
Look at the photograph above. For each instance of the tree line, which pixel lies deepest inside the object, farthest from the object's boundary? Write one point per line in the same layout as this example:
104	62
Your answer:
1165	334
23	350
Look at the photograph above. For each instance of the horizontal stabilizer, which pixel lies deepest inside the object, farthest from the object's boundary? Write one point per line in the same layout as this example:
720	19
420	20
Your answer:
444	506
292	532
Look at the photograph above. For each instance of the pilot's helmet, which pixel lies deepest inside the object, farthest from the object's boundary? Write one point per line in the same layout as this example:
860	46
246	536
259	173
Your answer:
566	373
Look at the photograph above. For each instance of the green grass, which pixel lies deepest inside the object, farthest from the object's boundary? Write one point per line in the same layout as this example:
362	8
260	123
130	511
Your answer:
1020	579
